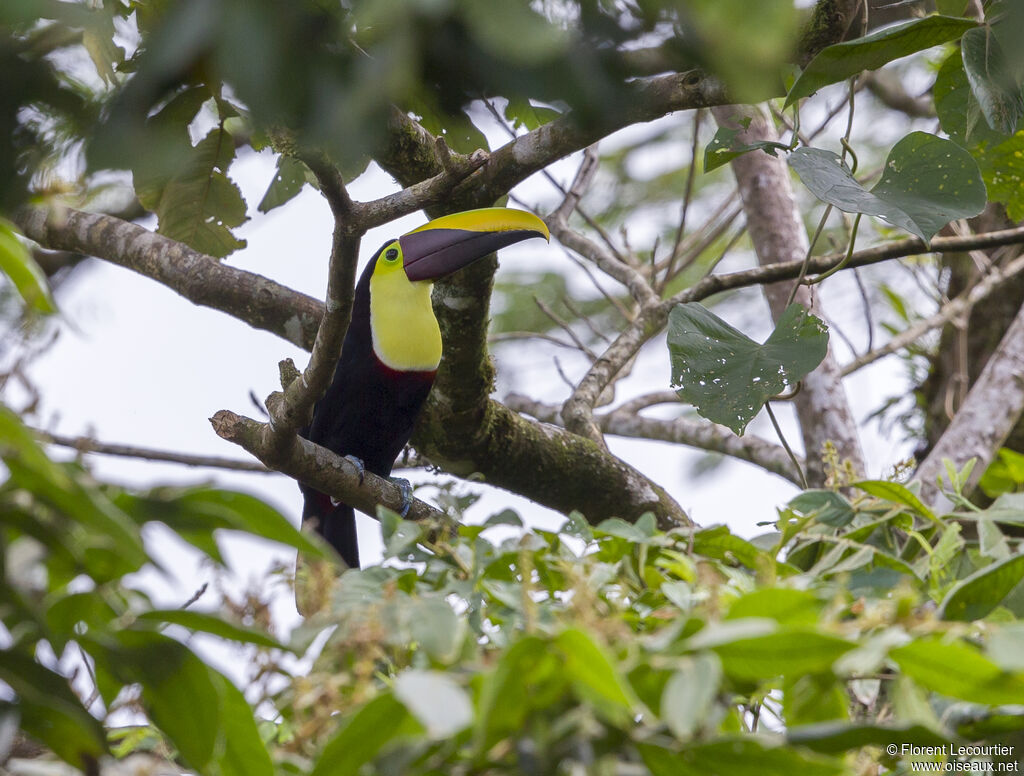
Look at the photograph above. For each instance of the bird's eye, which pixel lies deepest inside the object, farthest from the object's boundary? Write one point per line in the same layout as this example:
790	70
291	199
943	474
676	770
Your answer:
391	254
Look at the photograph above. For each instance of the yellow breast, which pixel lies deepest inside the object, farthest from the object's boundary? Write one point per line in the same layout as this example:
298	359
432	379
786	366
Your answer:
405	333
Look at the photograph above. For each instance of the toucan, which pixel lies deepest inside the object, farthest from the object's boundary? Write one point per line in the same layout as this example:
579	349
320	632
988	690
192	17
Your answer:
392	350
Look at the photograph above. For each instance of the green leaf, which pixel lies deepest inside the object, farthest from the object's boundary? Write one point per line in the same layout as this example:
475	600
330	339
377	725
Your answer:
1005	474
926	183
399	536
180	693
746	755
720	543
435	627
727	376
436	700
1002	167
362	736
242	751
893	491
1006	646
111	545
521	112
243	512
958	110
723	148
212	624
515	32
616	526
200	205
976	596
844	60
690	693
51	712
1007	508
746	44
958	671
504	517
789	651
826	506
784	605
528	675
813	697
290	177
457	129
18	265
595	677
840	737
991	542
992	84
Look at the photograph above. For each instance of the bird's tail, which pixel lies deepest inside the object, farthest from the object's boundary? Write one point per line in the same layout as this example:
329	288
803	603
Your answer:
336	523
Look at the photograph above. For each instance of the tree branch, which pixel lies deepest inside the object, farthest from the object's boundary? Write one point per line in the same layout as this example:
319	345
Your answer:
777	231
984	421
254	299
292	409
87	445
627	422
319	467
956	308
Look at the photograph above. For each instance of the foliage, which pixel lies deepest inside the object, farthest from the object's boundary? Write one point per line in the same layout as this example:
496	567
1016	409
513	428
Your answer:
861	624
851	625
727	376
67	548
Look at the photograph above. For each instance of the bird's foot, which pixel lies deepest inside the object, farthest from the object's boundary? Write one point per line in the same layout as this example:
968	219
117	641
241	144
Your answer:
406	487
358	463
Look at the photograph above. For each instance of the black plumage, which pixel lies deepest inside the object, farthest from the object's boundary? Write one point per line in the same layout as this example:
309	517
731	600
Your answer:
368	412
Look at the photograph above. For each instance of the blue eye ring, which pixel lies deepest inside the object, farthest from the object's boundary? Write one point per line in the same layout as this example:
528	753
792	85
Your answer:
391	254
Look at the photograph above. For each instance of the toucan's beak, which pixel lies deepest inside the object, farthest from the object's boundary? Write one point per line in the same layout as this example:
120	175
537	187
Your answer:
446	244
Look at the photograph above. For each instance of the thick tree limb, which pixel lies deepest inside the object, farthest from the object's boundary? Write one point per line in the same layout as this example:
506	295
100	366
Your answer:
254	299
608	487
625	421
992	408
543	462
319	467
777	231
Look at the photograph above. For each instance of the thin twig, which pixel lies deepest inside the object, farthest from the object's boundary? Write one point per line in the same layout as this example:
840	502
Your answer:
691	175
785	444
562	324
953	309
512	336
88	445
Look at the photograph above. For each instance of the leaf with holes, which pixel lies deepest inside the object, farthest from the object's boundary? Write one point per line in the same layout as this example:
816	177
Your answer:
926	183
727	376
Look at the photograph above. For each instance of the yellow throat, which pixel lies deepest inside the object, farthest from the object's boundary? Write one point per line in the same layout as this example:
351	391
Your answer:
405	333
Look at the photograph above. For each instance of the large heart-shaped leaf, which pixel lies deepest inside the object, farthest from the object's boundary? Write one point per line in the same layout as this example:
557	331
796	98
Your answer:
927	182
727	376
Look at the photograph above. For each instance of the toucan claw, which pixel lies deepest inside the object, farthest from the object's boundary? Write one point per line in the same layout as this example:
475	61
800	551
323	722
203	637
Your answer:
360	466
406	487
